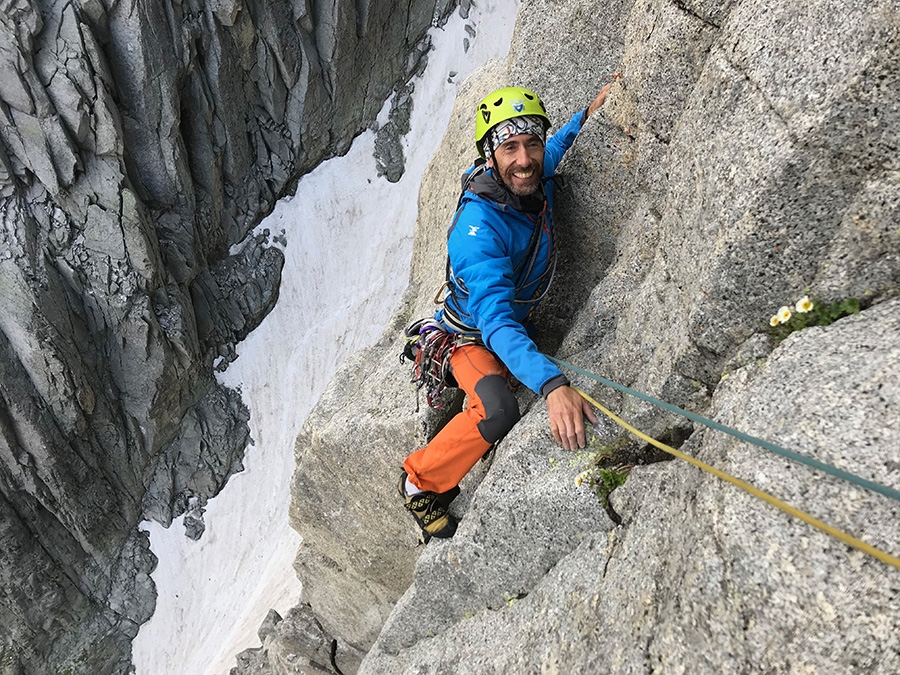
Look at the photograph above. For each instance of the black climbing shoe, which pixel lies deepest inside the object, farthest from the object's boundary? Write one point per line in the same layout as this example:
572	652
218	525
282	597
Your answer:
430	510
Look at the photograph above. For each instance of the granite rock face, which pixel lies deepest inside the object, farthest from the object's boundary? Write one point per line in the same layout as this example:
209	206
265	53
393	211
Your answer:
139	144
701	577
746	158
292	645
770	183
358	551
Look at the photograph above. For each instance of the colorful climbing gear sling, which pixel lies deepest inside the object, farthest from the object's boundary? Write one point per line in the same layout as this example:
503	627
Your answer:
429	345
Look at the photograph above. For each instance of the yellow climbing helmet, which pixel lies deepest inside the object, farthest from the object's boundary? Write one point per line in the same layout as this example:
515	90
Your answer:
505	104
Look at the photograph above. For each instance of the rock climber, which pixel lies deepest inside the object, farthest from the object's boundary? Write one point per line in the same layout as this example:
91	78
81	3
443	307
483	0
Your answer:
501	258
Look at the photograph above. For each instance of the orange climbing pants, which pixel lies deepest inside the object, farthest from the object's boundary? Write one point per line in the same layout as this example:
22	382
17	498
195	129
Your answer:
491	412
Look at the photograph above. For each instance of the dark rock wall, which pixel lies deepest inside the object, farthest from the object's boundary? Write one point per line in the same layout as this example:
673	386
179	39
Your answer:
139	143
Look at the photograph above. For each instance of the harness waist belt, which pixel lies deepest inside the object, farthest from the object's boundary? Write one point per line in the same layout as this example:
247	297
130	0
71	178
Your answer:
455	323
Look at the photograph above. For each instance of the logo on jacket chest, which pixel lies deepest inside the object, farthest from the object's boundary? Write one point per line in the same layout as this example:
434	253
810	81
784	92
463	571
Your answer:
473	230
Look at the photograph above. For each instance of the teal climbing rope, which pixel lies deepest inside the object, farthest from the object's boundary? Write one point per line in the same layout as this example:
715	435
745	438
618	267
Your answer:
759	442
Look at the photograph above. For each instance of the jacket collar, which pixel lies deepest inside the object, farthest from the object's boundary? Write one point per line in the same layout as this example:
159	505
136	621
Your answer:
486	186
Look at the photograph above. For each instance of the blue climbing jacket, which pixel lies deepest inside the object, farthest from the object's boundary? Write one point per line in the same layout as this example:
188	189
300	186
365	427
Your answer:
501	257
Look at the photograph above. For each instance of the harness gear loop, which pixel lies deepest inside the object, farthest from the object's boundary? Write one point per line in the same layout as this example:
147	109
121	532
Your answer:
429	346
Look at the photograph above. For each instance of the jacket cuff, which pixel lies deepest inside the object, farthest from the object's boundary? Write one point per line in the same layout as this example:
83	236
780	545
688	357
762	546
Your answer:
554	382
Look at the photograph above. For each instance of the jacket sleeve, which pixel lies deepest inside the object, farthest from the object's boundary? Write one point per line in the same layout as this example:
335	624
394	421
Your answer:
482	261
561	141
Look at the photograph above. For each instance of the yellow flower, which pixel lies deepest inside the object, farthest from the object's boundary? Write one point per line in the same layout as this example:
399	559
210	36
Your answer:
773	321
784	314
803	305
580	478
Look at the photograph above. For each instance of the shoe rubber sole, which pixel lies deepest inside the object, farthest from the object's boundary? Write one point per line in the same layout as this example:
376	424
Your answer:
430	510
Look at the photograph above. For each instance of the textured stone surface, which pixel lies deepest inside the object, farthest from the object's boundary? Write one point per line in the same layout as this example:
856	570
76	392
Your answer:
389	159
139	143
760	587
765	192
197	462
699	577
294	644
746	158
526	515
359	547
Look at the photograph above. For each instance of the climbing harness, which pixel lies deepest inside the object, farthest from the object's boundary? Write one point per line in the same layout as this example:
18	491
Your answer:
429	343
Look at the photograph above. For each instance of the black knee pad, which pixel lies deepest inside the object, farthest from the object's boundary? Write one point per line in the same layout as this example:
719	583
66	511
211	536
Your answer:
501	409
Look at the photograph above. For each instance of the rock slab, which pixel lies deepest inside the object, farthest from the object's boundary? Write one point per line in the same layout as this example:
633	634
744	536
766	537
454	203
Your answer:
719	184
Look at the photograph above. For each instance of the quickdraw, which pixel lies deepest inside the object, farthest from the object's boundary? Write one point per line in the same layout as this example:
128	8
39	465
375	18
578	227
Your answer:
429	346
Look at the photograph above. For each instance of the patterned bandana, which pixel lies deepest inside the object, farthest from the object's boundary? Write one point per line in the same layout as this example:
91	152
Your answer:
529	124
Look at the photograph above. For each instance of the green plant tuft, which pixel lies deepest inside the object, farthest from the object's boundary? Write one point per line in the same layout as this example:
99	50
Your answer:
605	450
820	314
605	481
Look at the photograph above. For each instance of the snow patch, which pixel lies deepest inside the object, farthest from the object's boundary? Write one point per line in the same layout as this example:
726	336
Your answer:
348	247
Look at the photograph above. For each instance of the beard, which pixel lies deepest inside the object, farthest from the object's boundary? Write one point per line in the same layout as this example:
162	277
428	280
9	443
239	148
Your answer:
522	181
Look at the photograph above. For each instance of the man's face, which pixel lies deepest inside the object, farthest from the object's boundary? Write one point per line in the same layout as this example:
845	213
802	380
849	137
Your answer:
520	162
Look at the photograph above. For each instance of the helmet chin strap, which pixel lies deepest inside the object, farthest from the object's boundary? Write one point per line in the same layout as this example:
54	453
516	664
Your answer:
495	172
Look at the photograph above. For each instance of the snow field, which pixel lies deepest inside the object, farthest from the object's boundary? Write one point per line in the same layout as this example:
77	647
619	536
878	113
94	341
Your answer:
349	242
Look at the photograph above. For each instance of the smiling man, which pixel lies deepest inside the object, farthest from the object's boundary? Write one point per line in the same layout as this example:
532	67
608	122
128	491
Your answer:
501	259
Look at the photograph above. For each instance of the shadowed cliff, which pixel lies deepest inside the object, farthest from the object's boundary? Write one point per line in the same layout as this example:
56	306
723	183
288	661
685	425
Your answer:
141	142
